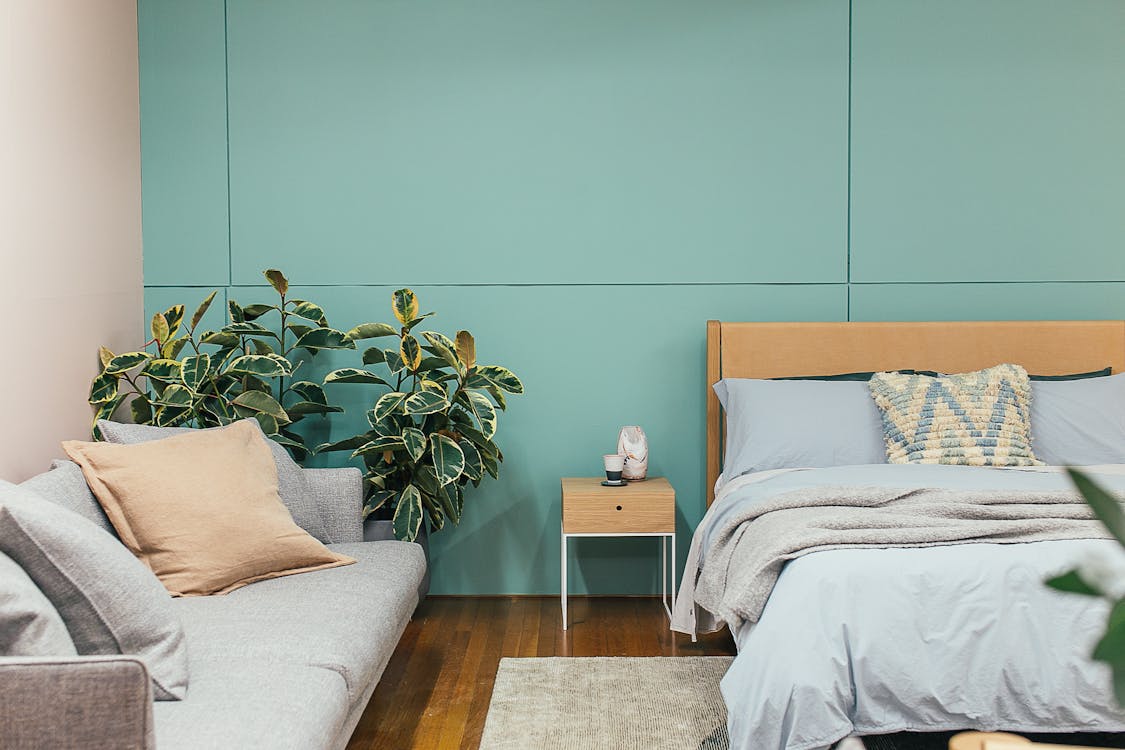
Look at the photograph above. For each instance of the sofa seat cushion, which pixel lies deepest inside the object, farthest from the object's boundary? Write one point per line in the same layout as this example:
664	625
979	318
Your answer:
346	619
243	702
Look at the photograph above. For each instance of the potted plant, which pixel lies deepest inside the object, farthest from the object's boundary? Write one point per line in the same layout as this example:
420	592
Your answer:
193	378
432	422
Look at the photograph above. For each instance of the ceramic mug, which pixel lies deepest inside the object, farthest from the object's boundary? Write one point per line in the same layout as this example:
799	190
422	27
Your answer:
614	465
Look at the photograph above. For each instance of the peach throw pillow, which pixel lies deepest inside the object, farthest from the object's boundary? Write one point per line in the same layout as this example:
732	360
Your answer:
201	509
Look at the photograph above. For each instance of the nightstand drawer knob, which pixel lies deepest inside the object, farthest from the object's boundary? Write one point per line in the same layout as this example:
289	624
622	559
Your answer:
619	507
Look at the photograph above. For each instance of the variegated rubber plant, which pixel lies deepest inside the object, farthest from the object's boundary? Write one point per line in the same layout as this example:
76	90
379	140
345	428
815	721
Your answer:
196	378
432	428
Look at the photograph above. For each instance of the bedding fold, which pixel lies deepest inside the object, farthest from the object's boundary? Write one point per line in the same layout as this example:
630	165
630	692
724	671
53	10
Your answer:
733	565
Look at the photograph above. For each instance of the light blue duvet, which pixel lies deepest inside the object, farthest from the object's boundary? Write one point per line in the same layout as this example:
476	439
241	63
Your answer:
870	641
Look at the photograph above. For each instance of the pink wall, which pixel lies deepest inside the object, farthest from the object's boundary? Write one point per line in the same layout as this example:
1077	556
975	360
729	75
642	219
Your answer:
70	215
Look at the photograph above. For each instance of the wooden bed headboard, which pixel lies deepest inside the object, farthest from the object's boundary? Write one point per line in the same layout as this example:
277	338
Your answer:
772	350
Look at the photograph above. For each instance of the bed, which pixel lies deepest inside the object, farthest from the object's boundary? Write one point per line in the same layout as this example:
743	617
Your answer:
889	638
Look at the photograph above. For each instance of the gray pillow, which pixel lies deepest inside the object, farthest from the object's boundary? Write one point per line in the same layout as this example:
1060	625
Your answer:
1079	422
29	624
291	482
779	424
110	602
65	486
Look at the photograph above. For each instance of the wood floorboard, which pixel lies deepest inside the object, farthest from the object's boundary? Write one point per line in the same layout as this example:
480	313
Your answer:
435	691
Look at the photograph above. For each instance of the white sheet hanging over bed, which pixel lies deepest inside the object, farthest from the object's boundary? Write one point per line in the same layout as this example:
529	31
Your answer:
872	641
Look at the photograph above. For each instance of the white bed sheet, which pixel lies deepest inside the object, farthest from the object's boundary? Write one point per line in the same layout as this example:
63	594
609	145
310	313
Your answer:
872	641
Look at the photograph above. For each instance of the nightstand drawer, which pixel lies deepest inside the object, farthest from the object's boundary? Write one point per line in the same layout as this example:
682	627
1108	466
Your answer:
623	515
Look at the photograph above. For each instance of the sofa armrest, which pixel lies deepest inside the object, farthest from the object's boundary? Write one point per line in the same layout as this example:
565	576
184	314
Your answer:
87	702
339	498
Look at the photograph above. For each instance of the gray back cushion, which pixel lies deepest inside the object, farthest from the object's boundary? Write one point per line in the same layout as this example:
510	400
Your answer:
291	482
1079	422
108	600
29	624
65	486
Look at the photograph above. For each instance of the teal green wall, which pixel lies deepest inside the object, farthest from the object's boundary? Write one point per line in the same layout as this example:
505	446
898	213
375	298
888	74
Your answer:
582	185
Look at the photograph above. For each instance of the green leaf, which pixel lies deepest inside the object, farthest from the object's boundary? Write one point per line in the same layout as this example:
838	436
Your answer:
103	389
268	423
443	347
324	338
415	442
481	408
1072	583
164	370
253	312
449	461
436	512
309	391
202	309
173	316
405	305
490	464
261	365
309	311
393	360
501	377
141	410
172	349
387	404
248	328
353	375
304	408
373	356
473	467
235	311
159	328
466	349
411	352
298	329
377	500
1104	505
219	338
125	362
175	395
408	514
277	280
1111	648
426	479
106	410
194	370
371	331
257	401
379	444
217	409
262	347
347	444
425	402
172	416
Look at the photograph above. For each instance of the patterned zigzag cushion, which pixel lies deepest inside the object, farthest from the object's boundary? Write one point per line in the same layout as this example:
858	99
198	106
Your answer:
978	418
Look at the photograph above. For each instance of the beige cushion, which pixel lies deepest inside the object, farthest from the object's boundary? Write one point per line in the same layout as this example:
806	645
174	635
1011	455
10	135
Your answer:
201	510
980	418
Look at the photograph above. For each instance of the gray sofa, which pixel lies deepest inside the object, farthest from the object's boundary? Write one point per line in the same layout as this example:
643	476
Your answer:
284	663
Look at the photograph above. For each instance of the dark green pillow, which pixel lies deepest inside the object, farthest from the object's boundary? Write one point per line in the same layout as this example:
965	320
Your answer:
866	376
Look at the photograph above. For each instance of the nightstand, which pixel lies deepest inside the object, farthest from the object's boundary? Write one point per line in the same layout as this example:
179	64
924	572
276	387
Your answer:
644	508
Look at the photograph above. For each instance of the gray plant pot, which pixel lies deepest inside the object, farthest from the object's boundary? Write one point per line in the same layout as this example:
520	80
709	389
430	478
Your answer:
377	530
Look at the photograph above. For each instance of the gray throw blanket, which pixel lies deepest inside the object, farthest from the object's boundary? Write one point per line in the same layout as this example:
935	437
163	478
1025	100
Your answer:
746	556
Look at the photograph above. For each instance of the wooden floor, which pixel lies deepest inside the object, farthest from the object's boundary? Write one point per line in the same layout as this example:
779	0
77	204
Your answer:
435	691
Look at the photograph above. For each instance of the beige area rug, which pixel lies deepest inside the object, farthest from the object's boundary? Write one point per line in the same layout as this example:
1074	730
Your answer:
586	703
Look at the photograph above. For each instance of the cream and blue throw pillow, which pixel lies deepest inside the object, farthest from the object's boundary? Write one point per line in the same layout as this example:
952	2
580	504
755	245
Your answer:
980	418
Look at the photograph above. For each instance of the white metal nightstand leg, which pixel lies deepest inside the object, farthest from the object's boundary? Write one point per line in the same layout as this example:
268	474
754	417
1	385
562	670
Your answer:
563	545
667	593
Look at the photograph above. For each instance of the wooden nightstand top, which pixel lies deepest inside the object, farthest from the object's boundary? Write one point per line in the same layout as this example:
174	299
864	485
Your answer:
657	488
645	507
